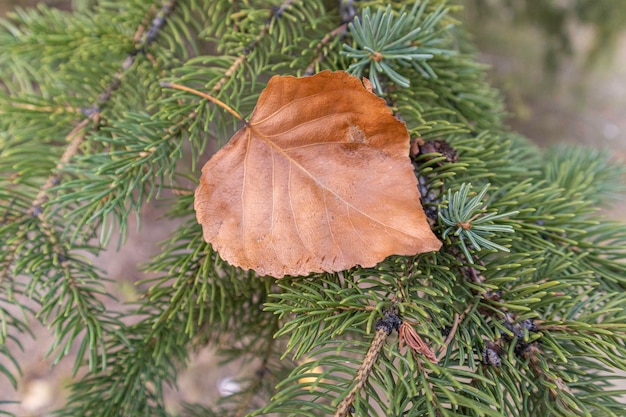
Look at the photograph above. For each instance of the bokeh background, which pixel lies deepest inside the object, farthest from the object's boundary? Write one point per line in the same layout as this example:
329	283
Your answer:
561	66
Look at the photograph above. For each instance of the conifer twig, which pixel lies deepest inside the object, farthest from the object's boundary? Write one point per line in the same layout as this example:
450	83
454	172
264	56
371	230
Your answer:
241	58
339	30
75	138
347	14
455	326
384	327
157	24
556	383
60	252
277	12
93	112
364	372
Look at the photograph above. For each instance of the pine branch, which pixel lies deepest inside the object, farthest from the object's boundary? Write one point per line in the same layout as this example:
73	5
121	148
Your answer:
79	297
72	285
157	24
385	44
384	327
78	134
276	14
10	327
466	219
451	333
338	32
251	57
75	138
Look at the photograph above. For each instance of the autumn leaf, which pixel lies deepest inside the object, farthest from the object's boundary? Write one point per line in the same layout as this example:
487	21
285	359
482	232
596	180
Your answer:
319	179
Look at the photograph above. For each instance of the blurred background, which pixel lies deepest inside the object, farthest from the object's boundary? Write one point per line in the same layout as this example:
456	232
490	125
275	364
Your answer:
561	67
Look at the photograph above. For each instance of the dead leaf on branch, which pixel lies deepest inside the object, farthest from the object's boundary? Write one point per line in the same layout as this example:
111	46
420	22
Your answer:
319	179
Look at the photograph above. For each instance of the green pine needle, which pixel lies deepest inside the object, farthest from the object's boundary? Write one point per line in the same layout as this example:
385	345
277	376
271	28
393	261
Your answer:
467	219
390	45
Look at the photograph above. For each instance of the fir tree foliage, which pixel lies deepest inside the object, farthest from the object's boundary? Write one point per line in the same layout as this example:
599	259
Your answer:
464	218
90	136
385	41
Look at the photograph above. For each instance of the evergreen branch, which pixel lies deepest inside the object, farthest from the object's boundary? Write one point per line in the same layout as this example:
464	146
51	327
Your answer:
9	321
467	220
558	389
259	385
384	327
339	31
78	134
241	59
225	77
143	40
137	368
125	177
386	43
71	282
585	171
328	307
347	13
563	271
455	326
157	24
200	282
70	294
75	138
188	298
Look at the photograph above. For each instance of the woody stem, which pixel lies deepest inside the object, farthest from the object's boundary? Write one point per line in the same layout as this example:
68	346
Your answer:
206	96
364	371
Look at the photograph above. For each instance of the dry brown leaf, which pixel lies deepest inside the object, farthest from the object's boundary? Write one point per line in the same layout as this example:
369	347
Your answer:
319	179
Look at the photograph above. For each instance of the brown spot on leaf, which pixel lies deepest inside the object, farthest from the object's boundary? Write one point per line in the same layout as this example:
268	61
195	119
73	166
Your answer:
355	134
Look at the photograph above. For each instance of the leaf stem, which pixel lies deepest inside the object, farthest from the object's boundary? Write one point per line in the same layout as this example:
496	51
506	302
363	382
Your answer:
206	96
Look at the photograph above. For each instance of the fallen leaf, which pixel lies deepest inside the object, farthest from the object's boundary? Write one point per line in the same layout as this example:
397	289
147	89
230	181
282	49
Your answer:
319	179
